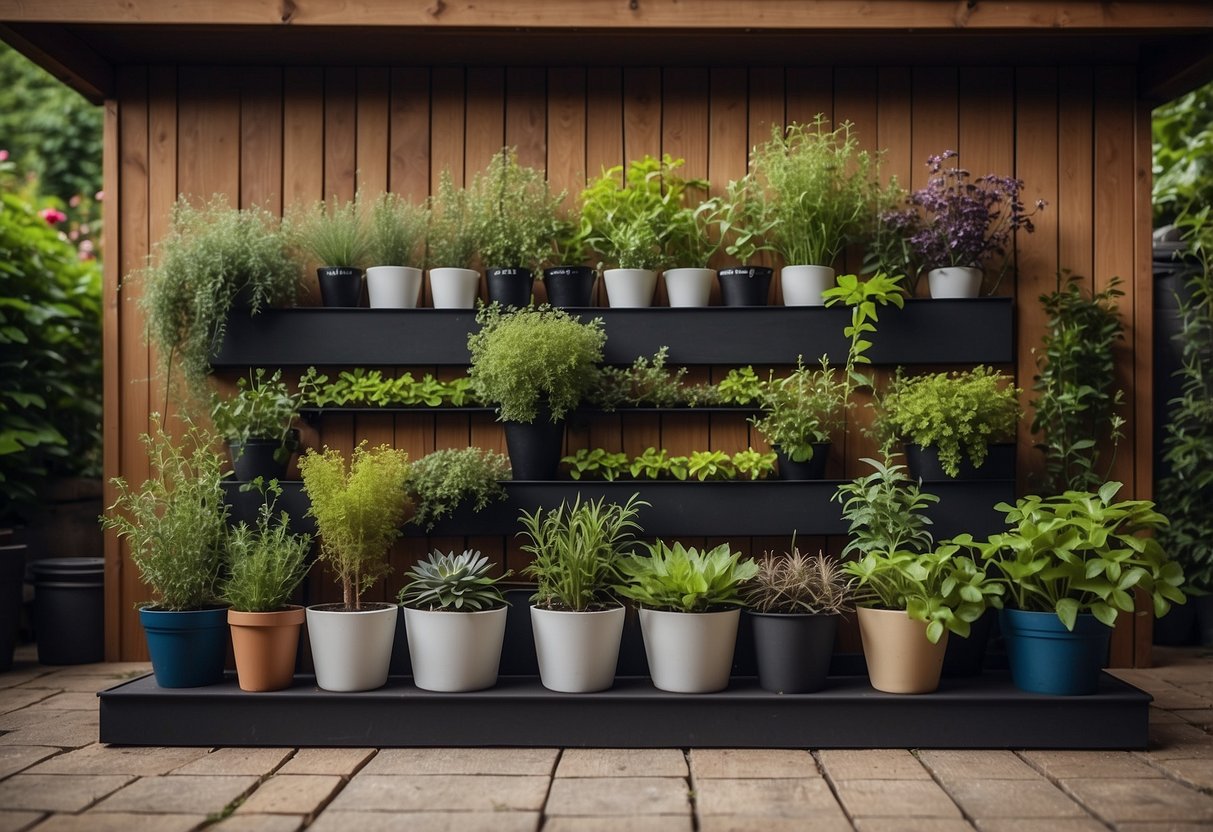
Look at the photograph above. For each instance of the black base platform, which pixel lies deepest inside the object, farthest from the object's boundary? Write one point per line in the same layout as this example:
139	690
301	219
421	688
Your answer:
982	712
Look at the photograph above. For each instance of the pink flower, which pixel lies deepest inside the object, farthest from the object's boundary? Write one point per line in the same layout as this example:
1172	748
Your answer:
99	196
3	155
74	201
52	216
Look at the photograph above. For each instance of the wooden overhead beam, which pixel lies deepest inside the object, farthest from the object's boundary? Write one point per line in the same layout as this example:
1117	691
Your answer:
63	55
685	15
1167	73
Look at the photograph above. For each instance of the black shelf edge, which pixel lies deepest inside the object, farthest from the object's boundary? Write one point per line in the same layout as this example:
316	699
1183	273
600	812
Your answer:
702	509
312	414
927	331
980	712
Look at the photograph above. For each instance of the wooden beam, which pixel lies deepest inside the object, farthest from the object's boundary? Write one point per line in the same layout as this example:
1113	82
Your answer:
63	55
1169	71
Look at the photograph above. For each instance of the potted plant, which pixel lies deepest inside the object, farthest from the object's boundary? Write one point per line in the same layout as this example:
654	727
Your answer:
689	609
954	425
822	193
799	414
795	601
744	227
213	261
454	615
265	564
569	281
1071	564
176	525
396	246
333	235
576	620
535	365
454	284
257	423
514	216
358	512
691	244
441	481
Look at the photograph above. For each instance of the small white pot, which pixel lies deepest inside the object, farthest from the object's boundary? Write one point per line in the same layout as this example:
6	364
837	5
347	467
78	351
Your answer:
630	287
577	651
352	650
393	287
455	651
955	282
803	285
689	652
689	287
454	288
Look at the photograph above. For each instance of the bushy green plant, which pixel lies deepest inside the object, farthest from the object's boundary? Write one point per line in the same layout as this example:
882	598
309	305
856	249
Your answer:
332	233
797	584
569	241
443	480
1081	552
710	465
650	465
1183	155
885	511
455	583
452	233
534	361
646	383
176	521
576	549
740	386
396	236
821	189
595	463
1076	393
260	408
753	464
804	407
694	233
363	387
514	213
358	511
747	221
685	580
211	256
959	413
266	562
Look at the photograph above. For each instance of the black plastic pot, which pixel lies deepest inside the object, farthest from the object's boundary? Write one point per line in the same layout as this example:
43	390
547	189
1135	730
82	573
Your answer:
256	457
793	651
1204	618
12	576
534	448
340	286
967	656
812	469
510	287
745	285
1178	627
999	464
69	610
570	287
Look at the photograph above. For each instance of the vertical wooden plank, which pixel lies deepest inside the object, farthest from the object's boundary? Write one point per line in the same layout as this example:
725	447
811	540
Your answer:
208	132
810	92
1075	181
261	138
485	133
372	131
446	124
604	146
340	133
526	118
409	127
766	102
934	117
1143	355
641	112
303	149
894	124
566	131
162	193
111	383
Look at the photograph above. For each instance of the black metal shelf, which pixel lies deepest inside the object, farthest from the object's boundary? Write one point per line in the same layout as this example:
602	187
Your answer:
313	415
925	332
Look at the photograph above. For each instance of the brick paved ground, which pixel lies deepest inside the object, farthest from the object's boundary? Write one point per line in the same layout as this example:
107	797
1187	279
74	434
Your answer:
55	777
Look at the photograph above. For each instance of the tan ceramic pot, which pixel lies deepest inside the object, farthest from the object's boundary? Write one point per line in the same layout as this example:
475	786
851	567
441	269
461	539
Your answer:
265	644
900	658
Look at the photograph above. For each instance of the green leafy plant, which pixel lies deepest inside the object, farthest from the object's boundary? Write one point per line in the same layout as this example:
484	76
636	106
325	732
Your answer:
1183	156
685	580
576	549
753	464
266	562
863	298
959	413
711	465
176	521
822	191
804	408
747	221
358	511
366	388
514	213
569	241
651	465
454	583
260	408
1077	399
451	239
885	511
441	481
211	256
740	386
694	238
596	463
532	362
679	467
797	584
396	236
1081	552
646	382
332	233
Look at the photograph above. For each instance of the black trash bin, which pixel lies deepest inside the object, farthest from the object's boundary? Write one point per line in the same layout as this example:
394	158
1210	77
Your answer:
69	610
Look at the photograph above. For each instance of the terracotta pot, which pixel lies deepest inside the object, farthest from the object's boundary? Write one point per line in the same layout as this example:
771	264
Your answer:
265	645
900	658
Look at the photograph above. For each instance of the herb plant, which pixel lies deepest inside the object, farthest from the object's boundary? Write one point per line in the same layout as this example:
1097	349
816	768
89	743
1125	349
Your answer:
266	562
799	584
711	465
741	386
693	238
596	463
332	233
260	408
747	220
569	246
369	388
358	511
803	408
685	580
455	583
646	383
441	481
754	465
576	549
451	239
885	511
650	465
514	213
397	232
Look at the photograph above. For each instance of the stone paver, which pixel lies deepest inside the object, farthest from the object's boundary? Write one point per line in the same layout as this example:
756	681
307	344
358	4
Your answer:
976	765
622	762
259	823
78	682
1062	765
188	794
101	759
51	793
291	794
118	822
453	793
1197	772
256	761
534	761
923	824
1177	742
895	799
805	797
652	823
68	701
1035	824
12	699
64	729
14	758
1025	799
344	761
1202	717
747	762
1127	800
14	821
871	764
725	823
341	821
619	796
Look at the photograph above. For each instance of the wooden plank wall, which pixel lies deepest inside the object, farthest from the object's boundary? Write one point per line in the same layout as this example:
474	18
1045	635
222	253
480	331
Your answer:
278	136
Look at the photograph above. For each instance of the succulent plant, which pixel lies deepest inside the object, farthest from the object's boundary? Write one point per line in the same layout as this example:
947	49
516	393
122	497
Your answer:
452	582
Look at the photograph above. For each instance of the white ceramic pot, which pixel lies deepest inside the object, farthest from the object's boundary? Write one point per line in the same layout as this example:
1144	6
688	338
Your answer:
803	285
689	652
455	651
393	287
577	651
955	282
630	287
352	650
454	288
689	287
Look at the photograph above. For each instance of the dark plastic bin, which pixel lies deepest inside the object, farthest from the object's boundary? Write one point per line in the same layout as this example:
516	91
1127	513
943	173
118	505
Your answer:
69	610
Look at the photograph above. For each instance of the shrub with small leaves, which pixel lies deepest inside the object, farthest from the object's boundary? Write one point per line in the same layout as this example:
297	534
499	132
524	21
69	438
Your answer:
397	232
885	511
685	580
646	383
266	562
260	408
442	481
796	583
514	213
451	241
801	409
451	582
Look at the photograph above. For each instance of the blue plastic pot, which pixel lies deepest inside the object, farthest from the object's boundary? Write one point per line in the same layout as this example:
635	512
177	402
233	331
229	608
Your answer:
188	647
1047	658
